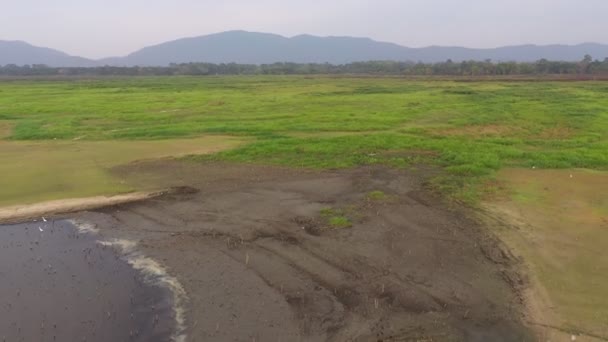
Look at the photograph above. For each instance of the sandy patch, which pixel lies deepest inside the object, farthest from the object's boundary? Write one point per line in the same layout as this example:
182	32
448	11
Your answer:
477	131
557	221
38	210
5	130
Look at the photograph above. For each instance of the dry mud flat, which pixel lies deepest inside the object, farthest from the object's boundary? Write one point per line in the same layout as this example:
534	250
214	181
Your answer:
259	262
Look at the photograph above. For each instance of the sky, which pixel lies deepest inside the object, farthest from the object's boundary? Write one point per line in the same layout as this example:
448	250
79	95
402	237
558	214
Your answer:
103	28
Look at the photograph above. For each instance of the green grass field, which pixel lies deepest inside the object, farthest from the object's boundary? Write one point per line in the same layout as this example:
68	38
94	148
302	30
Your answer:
58	138
471	129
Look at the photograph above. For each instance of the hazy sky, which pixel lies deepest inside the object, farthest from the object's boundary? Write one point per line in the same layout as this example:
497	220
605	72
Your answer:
102	28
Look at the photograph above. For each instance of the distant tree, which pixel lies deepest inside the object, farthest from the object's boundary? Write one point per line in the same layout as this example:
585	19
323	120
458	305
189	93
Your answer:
585	63
542	66
449	67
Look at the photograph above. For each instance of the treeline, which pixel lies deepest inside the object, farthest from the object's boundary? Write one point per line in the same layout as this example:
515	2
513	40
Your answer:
587	66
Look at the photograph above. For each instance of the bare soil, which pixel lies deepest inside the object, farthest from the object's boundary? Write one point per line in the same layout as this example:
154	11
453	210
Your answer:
259	262
5	130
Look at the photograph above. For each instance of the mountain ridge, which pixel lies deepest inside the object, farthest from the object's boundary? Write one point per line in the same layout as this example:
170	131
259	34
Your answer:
245	47
22	53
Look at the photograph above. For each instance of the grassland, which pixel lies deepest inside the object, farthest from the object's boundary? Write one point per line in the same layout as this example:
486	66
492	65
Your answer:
472	129
58	138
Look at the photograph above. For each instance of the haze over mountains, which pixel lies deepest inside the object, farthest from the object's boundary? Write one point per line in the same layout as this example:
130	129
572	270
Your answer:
263	48
22	53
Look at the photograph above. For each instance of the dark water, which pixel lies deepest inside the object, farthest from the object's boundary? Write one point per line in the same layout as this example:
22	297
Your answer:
60	285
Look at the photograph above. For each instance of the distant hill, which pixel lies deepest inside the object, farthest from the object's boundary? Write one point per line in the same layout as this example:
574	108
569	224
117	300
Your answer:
264	48
21	53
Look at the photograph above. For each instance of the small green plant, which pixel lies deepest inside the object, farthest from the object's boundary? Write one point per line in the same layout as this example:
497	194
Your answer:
336	218
376	195
338	222
329	212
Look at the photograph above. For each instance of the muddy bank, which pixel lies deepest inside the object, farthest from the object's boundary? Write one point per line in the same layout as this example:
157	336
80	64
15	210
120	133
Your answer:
57	284
259	258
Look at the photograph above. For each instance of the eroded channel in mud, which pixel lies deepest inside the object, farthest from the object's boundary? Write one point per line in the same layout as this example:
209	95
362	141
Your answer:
58	283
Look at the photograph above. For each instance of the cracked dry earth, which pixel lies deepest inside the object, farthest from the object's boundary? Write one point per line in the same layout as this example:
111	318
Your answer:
259	262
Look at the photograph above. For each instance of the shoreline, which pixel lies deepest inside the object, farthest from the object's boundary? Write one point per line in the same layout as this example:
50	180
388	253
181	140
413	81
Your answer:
30	212
70	285
256	260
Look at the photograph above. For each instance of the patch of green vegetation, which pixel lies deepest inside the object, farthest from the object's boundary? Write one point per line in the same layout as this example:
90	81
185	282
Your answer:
339	222
376	195
336	218
470	130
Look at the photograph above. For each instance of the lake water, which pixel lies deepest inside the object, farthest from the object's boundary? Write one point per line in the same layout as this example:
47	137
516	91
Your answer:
59	284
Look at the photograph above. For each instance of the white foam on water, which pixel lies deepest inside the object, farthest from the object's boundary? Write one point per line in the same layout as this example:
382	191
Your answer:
84	227
153	274
157	275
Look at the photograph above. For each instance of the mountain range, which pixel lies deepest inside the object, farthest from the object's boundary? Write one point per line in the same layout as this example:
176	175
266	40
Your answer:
264	48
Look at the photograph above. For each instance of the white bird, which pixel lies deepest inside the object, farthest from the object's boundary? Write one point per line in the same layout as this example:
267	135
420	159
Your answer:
40	229
43	219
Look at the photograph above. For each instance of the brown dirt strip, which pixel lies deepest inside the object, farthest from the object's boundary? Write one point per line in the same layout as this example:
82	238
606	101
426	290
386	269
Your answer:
36	211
